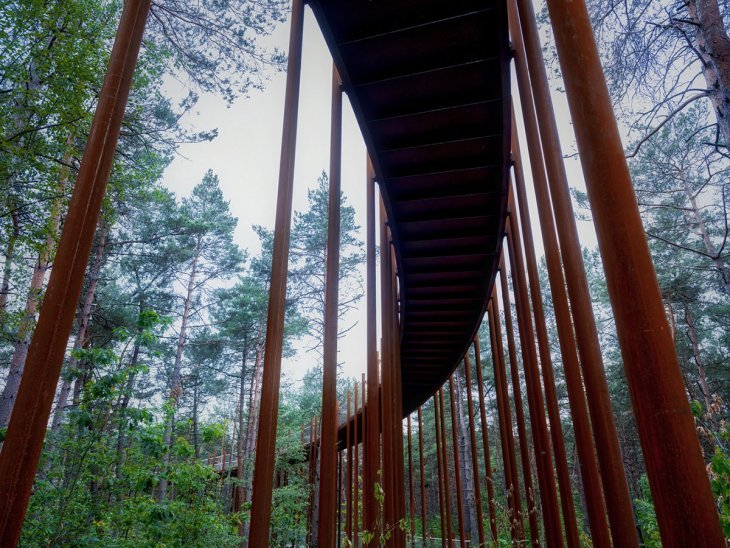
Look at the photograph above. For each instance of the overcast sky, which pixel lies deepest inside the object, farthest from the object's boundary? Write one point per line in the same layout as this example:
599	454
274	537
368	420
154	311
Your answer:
246	158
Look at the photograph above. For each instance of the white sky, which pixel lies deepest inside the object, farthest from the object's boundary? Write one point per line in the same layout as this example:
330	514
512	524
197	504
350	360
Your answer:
246	158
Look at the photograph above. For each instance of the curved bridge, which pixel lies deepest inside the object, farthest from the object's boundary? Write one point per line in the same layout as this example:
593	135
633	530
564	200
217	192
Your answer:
429	83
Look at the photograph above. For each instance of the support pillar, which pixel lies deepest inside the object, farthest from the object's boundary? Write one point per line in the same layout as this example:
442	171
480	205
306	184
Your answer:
445	461
423	474
505	422
328	447
543	460
618	500
29	420
269	406
671	449
442	498
457	464
474	456
485	441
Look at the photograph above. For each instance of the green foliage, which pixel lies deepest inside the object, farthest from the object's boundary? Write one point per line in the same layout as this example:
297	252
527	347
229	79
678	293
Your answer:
720	479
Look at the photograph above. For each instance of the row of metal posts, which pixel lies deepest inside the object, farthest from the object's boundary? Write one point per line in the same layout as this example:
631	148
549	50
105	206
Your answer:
671	450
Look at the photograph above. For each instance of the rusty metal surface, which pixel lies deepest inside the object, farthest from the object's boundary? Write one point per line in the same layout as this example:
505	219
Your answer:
269	406
27	428
429	84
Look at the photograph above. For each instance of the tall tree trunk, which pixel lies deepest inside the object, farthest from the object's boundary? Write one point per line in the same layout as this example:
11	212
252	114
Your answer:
713	46
696	354
8	266
121	436
27	322
176	376
84	320
700	228
238	491
196	437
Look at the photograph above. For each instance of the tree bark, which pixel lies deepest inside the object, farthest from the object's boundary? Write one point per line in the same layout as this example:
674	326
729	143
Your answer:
8	266
467	475
713	46
27	322
176	376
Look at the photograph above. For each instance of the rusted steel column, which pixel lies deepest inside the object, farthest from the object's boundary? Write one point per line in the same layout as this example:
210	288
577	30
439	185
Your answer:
541	441
474	456
445	460
372	445
269	406
339	499
485	441
399	537
328	449
442	498
348	473
579	413
457	463
388	392
519	411
412	501
423	474
29	420
505	422
355	467
618	500
551	397
671	450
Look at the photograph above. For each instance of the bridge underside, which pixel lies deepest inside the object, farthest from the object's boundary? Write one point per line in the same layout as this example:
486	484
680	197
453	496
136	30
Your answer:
429	83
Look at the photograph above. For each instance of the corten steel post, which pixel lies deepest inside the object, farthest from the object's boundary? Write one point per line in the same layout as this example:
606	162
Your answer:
457	463
505	422
551	397
269	406
443	475
519	410
328	449
372	440
355	465
348	473
412	500
388	478
445	460
474	455
423	474
485	441
442	513
339	498
543	461
671	450
581	421
618	500
29	420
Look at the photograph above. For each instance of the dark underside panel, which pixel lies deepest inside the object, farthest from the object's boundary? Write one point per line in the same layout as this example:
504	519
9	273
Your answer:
429	83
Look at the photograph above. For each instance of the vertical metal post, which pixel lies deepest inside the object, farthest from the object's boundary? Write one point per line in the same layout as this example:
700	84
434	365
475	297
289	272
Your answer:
355	466
474	456
328	464
339	499
348	473
579	412
505	422
29	420
519	411
412	500
442	498
548	493
671	450
457	463
269	406
372	445
445	460
485	442
618	500
423	474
